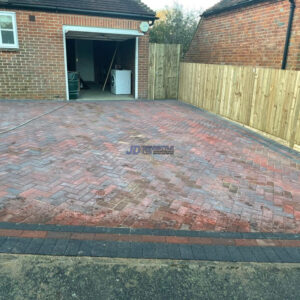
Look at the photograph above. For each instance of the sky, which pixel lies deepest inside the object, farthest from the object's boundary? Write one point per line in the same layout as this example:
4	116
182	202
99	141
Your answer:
188	4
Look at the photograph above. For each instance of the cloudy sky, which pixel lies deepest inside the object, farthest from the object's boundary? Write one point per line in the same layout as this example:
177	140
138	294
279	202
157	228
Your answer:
188	4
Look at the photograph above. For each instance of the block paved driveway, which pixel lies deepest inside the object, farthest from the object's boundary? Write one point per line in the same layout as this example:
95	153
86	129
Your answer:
70	167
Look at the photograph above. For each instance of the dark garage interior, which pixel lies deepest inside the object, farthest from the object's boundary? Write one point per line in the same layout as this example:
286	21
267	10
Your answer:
93	59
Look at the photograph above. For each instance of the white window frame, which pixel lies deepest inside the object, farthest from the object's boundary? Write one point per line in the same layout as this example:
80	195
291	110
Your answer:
15	31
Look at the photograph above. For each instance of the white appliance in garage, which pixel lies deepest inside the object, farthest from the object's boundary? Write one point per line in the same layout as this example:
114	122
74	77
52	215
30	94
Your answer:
121	82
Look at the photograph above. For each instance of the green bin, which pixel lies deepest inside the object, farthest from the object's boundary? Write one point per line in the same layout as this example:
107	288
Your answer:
73	79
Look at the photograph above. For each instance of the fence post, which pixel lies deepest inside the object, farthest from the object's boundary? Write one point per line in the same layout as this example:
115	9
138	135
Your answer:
294	123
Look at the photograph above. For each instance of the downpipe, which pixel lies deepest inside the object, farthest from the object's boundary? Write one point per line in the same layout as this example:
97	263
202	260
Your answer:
288	34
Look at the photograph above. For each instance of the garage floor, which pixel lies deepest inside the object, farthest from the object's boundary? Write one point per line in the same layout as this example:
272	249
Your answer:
70	167
95	93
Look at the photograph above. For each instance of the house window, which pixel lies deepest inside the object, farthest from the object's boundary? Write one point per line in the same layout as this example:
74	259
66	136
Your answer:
8	30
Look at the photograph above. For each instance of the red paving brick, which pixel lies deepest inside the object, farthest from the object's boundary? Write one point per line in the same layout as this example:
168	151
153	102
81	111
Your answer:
70	167
11	232
34	234
58	235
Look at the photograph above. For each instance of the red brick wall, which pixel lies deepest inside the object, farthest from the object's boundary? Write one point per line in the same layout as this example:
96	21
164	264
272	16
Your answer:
253	35
37	70
143	66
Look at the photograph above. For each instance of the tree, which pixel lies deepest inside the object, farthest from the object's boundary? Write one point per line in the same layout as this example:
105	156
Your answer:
175	26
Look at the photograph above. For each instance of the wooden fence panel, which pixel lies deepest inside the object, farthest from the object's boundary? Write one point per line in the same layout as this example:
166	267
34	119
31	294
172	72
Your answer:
265	99
164	63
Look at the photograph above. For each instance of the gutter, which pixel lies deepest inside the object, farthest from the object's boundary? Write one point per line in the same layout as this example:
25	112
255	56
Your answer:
79	11
288	34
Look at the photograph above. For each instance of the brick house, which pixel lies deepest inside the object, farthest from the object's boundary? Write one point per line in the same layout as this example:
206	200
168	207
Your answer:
40	41
253	32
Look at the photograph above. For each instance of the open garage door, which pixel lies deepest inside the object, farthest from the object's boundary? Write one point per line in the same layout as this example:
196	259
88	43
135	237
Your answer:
106	61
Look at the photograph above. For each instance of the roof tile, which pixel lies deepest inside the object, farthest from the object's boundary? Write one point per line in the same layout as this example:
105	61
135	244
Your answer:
135	7
231	4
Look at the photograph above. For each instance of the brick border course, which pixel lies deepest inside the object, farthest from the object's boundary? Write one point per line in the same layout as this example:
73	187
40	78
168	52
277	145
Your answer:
153	239
147	232
62	247
161	244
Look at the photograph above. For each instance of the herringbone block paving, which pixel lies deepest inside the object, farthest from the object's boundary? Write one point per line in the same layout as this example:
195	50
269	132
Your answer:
70	167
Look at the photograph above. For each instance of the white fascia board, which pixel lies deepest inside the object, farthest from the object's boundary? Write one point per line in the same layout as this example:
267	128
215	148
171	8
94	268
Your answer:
67	28
136	96
66	66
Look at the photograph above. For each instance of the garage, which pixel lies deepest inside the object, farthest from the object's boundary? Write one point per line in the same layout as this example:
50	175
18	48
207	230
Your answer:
105	61
51	41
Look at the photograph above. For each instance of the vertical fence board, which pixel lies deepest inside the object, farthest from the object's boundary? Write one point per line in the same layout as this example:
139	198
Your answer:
265	99
151	77
159	72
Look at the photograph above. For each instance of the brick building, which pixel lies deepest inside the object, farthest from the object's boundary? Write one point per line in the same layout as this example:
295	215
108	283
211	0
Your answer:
239	32
40	41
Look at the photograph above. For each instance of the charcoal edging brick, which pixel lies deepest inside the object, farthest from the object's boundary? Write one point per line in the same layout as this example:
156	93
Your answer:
61	247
